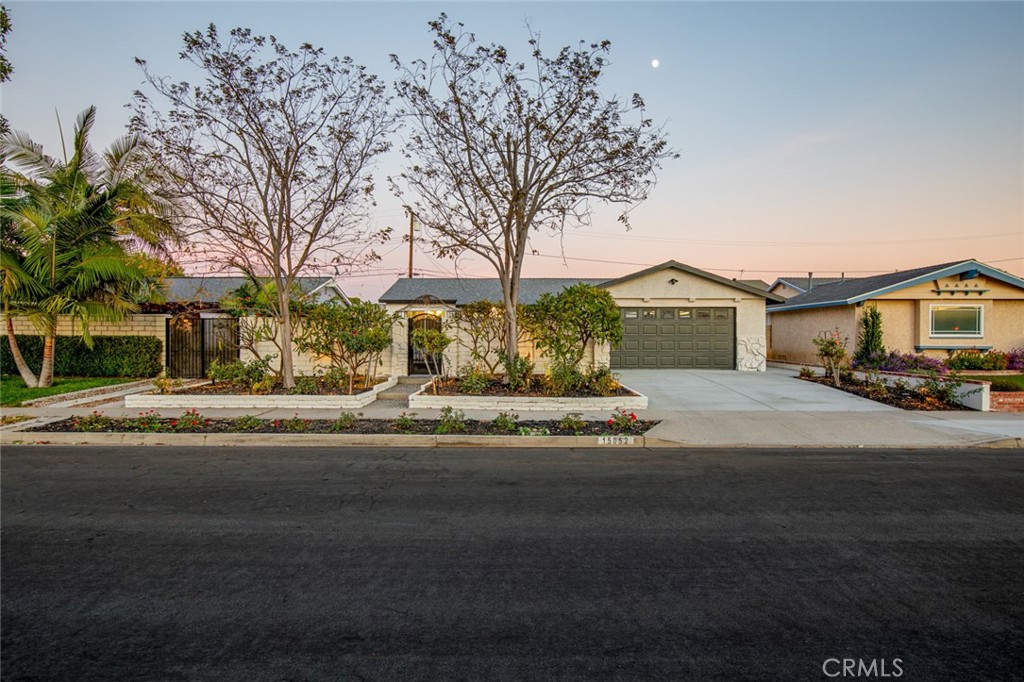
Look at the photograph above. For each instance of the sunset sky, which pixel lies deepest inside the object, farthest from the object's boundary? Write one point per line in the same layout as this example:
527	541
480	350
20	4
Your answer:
825	137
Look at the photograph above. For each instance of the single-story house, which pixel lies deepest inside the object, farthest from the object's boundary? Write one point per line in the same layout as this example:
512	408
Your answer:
186	317
933	310
788	287
674	316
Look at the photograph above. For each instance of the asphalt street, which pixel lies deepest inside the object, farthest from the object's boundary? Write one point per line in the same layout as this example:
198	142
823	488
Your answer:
360	564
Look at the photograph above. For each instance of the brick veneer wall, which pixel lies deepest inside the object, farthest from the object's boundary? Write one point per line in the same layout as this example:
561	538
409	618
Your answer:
1006	401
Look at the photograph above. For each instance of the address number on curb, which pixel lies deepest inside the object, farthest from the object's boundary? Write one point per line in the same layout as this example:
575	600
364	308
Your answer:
615	440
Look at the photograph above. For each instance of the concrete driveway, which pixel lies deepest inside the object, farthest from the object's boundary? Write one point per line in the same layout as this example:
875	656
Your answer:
708	390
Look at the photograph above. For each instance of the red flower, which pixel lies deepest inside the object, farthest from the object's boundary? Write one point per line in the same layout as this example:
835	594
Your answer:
610	422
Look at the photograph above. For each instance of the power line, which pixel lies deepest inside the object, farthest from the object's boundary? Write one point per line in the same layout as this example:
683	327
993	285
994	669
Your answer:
726	242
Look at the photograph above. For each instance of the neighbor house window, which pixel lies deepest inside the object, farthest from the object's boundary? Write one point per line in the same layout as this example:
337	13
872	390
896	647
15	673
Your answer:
956	320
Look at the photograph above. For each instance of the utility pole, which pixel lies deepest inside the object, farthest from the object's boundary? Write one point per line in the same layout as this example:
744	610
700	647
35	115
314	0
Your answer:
412	222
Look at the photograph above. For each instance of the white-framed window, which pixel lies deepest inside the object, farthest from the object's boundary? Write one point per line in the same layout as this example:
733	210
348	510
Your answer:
957	321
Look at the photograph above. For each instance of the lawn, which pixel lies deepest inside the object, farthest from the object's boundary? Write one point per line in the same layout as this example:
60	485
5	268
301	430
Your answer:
1001	382
13	391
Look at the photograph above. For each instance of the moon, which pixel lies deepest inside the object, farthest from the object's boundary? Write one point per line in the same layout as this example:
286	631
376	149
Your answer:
655	63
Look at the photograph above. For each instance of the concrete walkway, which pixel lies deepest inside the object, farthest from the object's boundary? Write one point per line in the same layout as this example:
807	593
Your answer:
712	408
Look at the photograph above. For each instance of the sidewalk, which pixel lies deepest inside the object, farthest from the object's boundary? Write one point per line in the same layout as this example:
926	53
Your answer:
757	423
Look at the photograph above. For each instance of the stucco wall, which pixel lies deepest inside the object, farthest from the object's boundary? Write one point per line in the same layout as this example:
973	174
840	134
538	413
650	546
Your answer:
792	331
691	290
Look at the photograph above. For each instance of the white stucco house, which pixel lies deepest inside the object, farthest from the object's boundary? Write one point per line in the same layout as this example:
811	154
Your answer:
675	317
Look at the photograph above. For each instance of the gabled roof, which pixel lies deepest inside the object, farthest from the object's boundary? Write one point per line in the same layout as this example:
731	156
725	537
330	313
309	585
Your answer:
853	291
671	264
756	283
462	291
211	289
801	283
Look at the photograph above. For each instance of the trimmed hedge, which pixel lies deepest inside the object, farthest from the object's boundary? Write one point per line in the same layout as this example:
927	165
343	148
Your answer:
110	356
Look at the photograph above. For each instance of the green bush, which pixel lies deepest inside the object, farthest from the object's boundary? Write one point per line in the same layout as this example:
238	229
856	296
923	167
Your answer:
110	356
472	380
975	359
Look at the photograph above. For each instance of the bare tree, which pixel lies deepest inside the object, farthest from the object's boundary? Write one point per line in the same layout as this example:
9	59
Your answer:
500	148
272	156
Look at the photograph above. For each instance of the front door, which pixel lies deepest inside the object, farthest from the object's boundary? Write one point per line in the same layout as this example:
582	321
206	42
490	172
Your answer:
417	359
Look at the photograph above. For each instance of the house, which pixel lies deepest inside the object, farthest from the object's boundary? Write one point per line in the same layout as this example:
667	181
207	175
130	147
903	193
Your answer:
934	310
788	287
185	315
674	316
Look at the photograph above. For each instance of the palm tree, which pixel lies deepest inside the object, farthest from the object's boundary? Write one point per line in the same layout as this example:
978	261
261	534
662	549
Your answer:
72	225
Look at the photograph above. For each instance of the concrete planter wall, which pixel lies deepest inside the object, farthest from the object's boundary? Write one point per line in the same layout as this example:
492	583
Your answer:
423	400
975	395
259	402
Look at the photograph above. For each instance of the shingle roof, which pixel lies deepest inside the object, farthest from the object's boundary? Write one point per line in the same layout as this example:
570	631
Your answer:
462	291
212	289
855	290
801	282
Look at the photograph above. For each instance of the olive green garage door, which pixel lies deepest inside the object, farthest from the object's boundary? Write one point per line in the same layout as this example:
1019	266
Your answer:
677	338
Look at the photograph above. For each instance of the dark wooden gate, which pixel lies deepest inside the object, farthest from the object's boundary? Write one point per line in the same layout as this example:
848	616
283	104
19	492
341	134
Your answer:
193	344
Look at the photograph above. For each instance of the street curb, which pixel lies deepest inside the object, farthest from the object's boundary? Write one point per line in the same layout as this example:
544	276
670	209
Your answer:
431	441
309	440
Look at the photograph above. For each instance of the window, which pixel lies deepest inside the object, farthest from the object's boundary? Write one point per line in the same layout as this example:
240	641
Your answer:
956	320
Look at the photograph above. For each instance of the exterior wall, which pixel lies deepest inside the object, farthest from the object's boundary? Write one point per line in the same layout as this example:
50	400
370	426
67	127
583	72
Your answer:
906	319
136	325
784	290
792	331
689	291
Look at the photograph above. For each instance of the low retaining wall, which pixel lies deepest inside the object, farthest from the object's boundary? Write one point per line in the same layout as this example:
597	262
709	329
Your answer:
423	400
259	402
975	395
1007	401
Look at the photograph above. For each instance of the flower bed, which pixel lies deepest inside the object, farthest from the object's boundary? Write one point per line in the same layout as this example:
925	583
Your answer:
196	397
452	424
625	399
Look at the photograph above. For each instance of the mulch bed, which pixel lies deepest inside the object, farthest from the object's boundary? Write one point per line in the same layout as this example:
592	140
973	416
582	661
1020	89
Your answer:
905	399
496	389
360	426
227	388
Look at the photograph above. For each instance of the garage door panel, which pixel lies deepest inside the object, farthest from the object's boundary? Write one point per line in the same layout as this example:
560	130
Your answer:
662	338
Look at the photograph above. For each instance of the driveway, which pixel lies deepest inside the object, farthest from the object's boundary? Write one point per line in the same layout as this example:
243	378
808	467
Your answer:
708	390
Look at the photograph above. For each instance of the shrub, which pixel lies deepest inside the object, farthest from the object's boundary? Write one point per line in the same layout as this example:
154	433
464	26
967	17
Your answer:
246	422
831	351
869	334
572	422
942	391
345	421
405	422
95	421
166	386
150	422
807	373
305	385
970	358
1015	359
451	421
472	380
253	376
622	422
110	356
536	431
297	424
518	372
507	422
908	363
189	421
601	381
563	379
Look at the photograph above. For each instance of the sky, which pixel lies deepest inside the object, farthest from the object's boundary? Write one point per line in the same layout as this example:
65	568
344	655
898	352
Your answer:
824	137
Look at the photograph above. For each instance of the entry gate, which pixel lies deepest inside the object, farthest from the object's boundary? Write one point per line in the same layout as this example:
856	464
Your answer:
193	344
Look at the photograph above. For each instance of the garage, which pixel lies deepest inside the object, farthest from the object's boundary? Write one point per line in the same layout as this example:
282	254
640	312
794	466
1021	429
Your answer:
676	338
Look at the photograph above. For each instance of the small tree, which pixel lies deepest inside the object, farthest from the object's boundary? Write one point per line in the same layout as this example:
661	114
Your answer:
869	336
832	351
563	325
482	326
271	155
352	337
432	343
499	149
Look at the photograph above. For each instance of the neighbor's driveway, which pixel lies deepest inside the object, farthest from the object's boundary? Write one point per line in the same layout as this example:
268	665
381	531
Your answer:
709	390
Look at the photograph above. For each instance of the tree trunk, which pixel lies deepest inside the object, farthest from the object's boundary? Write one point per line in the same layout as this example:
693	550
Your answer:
287	367
27	375
511	320
46	371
